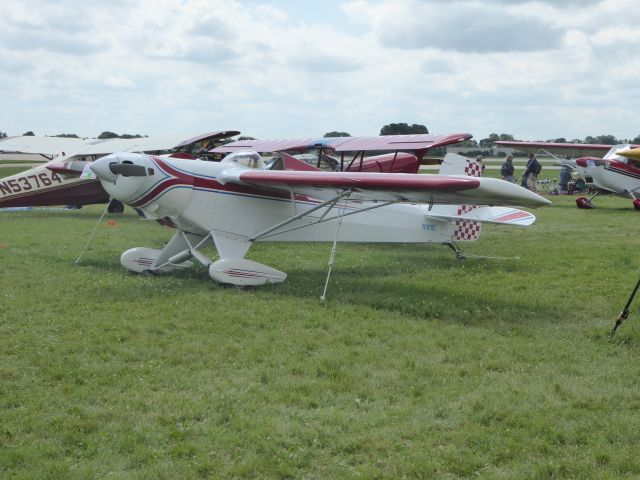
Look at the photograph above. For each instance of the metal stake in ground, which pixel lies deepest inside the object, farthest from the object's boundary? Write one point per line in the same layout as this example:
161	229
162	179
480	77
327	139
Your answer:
625	313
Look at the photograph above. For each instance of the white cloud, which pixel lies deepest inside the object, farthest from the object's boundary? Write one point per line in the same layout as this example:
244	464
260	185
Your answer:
274	69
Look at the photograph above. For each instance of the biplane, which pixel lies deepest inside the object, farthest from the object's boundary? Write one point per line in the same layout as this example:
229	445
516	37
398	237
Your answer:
241	200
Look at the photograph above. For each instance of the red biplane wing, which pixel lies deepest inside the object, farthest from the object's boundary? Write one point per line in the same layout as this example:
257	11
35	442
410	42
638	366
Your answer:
574	150
348	144
394	187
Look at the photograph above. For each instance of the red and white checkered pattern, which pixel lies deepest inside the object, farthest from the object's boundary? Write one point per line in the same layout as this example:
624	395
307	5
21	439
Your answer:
473	168
466	230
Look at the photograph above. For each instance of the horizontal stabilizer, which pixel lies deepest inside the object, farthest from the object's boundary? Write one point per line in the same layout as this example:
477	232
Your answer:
498	215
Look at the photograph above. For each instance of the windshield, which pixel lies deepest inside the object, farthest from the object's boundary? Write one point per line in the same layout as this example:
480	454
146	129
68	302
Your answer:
246	158
611	154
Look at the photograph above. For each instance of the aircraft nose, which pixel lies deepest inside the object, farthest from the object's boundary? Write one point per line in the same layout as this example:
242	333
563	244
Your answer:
101	168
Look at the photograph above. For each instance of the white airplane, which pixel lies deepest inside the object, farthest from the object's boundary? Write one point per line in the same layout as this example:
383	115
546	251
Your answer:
61	181
236	202
602	167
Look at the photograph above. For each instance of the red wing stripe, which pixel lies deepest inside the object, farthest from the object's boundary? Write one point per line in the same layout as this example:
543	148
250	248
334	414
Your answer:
512	216
361	180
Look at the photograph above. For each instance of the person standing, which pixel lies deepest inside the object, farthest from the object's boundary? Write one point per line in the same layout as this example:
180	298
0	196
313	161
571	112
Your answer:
565	175
507	170
531	173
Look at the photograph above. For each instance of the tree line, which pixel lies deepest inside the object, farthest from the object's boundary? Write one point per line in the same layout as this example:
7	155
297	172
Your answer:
600	139
102	136
405	129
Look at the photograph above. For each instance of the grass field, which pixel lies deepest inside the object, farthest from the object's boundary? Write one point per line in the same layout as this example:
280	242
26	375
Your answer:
417	366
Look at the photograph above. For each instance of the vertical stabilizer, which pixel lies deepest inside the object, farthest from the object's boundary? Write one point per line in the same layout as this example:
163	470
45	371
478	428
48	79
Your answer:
463	229
454	164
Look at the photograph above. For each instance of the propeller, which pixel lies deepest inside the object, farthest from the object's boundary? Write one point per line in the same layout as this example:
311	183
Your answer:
128	169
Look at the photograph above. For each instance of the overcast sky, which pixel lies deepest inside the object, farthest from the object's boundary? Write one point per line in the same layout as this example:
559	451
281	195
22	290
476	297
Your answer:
286	68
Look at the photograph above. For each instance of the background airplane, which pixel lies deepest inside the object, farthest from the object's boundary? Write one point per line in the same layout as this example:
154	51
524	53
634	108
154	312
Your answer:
351	151
65	180
601	167
233	203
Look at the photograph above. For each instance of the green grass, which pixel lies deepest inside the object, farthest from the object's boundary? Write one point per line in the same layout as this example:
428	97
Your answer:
8	171
417	366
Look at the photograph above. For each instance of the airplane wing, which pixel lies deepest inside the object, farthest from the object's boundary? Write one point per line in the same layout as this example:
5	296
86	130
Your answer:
575	150
394	187
149	144
48	146
348	144
51	146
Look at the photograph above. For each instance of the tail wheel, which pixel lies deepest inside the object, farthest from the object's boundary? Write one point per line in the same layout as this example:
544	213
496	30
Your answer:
584	202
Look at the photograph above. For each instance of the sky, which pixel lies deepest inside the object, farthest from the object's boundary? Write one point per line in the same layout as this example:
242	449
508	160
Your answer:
280	69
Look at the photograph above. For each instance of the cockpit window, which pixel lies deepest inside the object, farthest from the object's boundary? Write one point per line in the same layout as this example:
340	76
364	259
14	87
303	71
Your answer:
247	158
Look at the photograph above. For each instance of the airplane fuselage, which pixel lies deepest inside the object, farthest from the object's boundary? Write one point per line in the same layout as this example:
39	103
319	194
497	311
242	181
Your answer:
39	186
190	196
611	175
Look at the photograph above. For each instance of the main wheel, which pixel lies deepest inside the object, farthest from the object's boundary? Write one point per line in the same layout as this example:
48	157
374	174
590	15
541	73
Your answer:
584	202
115	206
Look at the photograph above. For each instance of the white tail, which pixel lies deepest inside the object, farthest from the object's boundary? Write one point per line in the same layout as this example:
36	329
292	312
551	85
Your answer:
454	164
466	220
464	229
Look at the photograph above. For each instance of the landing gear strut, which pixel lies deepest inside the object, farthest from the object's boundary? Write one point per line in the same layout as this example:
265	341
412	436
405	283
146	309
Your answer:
456	249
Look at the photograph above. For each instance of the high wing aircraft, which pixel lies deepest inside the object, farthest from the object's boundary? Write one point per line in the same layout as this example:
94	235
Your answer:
601	167
66	180
233	203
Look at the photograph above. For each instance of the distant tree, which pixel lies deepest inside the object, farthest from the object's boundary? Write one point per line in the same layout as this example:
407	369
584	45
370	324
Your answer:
246	138
29	134
636	140
590	139
67	135
127	135
576	140
403	129
336	134
607	140
494	137
105	135
3	134
559	140
467	143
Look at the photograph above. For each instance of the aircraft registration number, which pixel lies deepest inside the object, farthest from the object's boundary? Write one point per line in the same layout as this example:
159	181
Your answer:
29	182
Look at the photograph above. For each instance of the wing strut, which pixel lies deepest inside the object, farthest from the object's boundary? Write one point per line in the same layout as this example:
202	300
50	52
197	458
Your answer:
322	219
300	215
332	256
